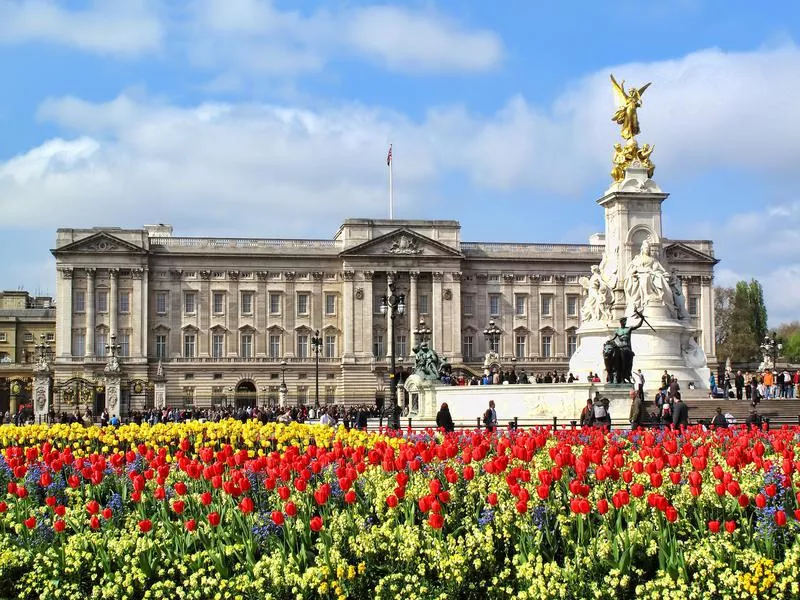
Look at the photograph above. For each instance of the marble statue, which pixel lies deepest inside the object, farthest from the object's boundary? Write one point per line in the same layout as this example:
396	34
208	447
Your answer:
693	354
628	103
427	363
599	297
647	282
677	293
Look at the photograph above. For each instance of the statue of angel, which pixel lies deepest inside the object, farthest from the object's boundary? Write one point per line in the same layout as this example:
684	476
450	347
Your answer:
628	102
598	297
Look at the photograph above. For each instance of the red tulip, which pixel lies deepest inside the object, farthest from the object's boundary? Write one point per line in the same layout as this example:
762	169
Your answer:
436	521
713	526
780	518
3	507
602	506
22	492
760	500
60	510
178	506
246	505
290	509
107	513
277	517
522	507
30	522
315	523
730	526
469	473
50	501
492	499
771	490
205	498
213	518
45	479
136	496
180	488
391	501
160	493
94	522
145	525
350	496
191	525
92	507
283	492
671	514
744	501
59	526
637	490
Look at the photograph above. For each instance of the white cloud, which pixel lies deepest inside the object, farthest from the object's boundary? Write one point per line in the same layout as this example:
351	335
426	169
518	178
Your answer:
256	37
121	27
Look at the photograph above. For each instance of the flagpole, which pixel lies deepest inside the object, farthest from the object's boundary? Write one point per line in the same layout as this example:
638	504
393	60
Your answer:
391	185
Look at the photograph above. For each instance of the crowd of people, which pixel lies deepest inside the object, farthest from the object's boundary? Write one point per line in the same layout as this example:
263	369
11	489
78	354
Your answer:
756	386
510	377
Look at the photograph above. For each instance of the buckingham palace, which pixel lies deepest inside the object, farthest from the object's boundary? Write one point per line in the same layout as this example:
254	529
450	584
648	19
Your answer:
224	320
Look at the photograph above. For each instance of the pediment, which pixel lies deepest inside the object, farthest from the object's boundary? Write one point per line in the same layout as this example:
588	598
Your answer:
100	242
402	243
680	252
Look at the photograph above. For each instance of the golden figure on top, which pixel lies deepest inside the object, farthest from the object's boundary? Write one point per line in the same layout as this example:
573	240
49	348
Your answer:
625	156
628	102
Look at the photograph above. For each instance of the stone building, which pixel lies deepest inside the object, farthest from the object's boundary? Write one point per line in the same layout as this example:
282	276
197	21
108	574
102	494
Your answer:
25	321
227	320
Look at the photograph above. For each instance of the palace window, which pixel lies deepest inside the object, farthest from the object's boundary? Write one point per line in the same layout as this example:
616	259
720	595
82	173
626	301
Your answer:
124	302
124	341
302	304
694	306
547	305
274	345
102	301
100	342
302	345
519	304
217	345
519	347
189	342
189	303
161	303
572	344
423	304
161	346
218	303
400	345
572	305
247	303
467	347
78	342
274	304
377	346
330	304
547	346
246	345
330	346
494	305
468	304
79	304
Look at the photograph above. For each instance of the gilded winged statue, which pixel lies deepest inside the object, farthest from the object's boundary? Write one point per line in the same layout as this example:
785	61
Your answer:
628	102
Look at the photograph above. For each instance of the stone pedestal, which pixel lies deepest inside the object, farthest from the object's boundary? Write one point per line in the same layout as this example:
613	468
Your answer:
41	396
113	381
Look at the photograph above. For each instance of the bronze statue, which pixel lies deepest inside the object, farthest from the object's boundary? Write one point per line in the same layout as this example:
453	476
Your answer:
618	353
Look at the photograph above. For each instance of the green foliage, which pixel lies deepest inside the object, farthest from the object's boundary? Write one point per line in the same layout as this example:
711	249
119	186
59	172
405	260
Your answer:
741	318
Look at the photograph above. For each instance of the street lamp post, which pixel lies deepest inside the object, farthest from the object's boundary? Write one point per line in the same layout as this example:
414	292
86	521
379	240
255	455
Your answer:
283	391
492	334
391	306
316	346
44	350
771	347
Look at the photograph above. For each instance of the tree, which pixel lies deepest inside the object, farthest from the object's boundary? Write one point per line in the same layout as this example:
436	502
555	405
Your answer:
723	305
789	335
758	309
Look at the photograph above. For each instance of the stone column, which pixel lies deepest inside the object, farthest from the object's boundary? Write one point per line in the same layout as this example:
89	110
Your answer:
261	314
113	275
90	313
508	311
455	315
685	290
437	329
144	315
706	310
232	314
64	318
413	313
391	277
204	309
348	308
365	343
289	312
137	315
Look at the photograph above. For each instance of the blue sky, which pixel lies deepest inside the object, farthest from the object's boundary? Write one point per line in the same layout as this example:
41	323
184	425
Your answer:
272	119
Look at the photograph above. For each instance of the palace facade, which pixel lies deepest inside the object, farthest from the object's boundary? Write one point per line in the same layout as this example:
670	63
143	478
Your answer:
229	320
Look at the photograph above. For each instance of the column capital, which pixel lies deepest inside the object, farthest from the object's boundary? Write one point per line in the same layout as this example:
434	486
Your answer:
66	272
290	275
368	275
348	275
262	275
414	275
137	273
438	276
456	275
113	273
90	272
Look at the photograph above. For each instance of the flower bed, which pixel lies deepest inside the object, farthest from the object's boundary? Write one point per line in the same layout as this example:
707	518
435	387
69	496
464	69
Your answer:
233	510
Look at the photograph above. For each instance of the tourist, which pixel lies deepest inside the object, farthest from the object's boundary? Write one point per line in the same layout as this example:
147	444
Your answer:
638	384
600	414
637	409
739	384
444	420
490	417
680	412
719	421
754	419
586	414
